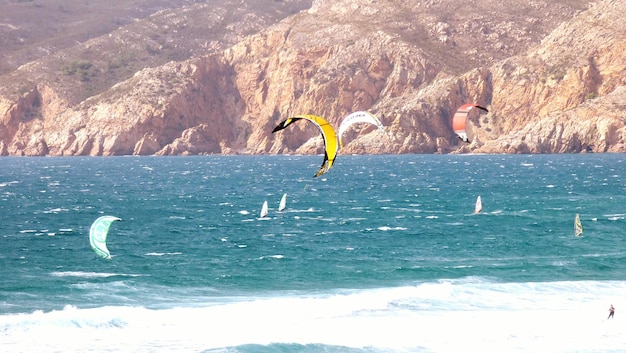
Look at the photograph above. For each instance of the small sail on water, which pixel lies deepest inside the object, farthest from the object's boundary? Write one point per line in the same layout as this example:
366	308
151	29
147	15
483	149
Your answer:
264	209
283	203
578	226
479	205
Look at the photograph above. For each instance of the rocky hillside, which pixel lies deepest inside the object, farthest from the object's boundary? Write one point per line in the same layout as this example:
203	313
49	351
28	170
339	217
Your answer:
217	77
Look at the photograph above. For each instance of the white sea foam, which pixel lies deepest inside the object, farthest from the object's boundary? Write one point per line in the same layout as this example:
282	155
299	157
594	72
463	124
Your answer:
271	257
90	274
386	228
449	315
163	253
55	210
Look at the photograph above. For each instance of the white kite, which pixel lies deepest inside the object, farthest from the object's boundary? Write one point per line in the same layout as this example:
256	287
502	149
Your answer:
355	118
98	235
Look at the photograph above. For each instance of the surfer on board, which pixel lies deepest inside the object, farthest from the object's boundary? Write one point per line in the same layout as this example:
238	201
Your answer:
611	312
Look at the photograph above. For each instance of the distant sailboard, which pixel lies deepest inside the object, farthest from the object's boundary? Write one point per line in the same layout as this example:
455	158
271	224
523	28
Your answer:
578	226
283	203
479	205
264	210
98	235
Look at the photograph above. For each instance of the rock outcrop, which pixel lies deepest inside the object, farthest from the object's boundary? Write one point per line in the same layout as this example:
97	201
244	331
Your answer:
553	75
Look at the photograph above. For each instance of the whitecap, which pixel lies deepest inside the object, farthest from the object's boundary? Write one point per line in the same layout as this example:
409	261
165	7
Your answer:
615	217
56	210
386	228
82	274
163	253
563	263
91	274
271	257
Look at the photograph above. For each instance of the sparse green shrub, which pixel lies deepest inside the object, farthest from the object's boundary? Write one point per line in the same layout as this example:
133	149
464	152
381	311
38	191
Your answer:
151	49
82	69
590	95
121	60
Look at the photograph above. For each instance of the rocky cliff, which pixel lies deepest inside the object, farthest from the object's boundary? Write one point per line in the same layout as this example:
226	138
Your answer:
552	73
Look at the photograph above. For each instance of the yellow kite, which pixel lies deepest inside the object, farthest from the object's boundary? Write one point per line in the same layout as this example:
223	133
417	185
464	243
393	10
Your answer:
328	133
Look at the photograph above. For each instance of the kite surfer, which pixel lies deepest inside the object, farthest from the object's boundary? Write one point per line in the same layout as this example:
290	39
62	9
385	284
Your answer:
611	312
331	143
460	120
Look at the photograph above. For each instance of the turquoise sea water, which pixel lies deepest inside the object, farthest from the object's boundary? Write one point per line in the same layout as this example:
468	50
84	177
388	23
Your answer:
381	254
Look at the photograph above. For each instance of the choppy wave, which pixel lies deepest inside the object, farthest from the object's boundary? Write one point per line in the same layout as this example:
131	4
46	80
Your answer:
91	274
382	255
386	228
163	253
477	312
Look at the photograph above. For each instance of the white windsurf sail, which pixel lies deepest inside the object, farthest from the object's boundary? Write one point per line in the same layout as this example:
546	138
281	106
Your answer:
283	202
264	209
479	205
578	226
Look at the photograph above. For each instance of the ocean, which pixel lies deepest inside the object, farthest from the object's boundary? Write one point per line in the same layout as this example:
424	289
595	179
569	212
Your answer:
381	254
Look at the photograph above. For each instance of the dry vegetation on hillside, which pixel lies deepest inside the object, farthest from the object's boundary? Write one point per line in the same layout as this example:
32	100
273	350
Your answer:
86	47
193	77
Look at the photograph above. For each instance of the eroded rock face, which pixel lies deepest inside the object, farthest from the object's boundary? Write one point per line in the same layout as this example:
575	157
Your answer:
553	84
567	94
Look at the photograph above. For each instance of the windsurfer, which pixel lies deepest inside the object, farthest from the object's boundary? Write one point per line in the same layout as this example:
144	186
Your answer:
611	312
